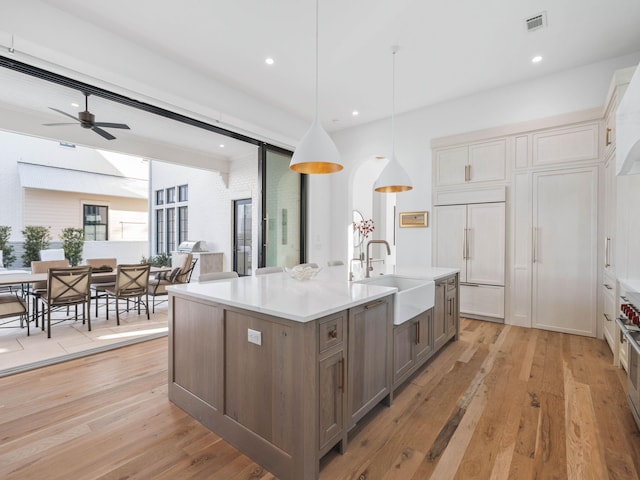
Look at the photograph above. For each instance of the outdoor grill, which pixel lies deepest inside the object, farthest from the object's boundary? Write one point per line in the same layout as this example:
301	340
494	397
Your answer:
193	247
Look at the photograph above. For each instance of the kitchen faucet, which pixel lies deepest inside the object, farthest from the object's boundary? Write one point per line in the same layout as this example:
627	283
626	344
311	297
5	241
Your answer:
351	266
369	267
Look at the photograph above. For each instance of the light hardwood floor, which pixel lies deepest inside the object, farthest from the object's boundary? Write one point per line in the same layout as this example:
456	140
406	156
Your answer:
503	402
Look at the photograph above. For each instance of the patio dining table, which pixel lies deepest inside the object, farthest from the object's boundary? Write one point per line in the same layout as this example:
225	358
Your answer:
18	277
24	277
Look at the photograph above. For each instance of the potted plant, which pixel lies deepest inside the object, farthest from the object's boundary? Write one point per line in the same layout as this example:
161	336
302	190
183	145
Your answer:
7	250
72	244
36	238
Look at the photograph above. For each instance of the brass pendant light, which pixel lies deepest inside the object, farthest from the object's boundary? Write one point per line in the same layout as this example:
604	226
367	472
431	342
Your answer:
316	153
393	178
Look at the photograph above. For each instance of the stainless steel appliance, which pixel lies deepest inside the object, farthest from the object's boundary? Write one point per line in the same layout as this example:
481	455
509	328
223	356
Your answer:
192	247
629	323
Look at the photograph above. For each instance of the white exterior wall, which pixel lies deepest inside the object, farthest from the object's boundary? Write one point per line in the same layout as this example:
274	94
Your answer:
573	90
26	206
211	201
58	210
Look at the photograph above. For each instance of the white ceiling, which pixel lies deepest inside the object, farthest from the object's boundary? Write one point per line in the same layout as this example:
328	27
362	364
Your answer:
448	48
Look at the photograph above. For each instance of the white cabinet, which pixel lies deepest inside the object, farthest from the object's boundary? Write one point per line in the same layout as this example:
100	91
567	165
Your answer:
471	237
564	250
471	164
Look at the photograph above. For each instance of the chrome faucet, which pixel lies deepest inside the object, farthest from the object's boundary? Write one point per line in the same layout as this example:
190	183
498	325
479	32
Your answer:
369	267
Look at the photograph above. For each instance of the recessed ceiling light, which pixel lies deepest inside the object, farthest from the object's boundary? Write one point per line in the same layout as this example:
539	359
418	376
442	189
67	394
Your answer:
75	105
269	61
536	59
222	145
355	113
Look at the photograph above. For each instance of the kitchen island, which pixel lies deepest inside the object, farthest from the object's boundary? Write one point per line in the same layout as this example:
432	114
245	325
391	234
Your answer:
279	368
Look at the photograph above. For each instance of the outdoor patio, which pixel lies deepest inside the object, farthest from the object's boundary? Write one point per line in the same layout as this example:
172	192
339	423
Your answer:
71	339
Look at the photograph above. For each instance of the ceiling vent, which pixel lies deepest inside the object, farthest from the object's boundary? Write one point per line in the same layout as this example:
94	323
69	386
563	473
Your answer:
536	22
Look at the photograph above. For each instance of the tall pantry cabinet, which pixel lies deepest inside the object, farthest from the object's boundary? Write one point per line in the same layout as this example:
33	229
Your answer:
549	174
614	244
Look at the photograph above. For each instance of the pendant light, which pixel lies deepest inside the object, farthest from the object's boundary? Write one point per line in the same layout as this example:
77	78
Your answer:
393	177
316	152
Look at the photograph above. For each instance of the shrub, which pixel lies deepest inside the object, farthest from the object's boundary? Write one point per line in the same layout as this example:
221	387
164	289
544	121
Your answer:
36	238
72	244
7	250
160	260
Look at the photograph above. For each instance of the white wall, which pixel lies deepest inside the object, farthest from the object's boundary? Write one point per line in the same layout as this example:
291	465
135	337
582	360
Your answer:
211	201
573	90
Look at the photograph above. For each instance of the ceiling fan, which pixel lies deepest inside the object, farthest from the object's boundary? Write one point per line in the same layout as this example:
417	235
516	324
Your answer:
87	120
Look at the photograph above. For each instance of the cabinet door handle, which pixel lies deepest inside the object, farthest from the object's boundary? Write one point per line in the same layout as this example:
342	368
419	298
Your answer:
467	173
468	241
607	252
374	305
606	316
417	327
450	306
534	245
607	140
333	333
608	287
464	243
341	386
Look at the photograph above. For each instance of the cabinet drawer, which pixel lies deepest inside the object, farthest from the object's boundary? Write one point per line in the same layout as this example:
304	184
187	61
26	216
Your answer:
451	283
485	300
331	331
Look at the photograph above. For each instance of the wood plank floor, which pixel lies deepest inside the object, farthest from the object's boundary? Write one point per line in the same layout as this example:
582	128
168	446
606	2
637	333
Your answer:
503	402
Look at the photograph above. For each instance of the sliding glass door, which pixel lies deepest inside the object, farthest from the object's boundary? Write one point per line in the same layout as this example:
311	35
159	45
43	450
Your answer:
283	210
242	236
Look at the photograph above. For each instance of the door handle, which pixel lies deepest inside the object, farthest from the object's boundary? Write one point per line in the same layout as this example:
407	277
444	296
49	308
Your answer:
464	243
468	241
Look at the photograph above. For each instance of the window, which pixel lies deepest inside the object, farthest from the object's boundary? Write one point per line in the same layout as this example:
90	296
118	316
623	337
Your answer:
160	231
183	193
171	218
183	224
95	219
171	195
171	229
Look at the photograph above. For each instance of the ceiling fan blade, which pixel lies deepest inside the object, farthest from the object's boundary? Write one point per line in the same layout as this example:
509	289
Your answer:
103	133
112	125
65	113
56	124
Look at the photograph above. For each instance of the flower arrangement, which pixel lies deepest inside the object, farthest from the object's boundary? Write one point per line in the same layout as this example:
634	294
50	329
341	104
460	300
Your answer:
364	227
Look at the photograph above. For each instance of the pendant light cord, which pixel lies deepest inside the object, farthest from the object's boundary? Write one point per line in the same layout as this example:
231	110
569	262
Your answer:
393	103
317	59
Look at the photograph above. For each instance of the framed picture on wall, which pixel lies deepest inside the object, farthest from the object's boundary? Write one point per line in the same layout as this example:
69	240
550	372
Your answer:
414	219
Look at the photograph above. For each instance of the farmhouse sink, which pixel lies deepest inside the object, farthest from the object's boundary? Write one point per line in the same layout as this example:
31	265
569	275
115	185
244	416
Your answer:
413	297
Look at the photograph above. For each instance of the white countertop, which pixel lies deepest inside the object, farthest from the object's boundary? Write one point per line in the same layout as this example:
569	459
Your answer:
303	301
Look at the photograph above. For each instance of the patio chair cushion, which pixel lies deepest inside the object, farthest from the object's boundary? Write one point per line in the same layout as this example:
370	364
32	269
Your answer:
11	305
169	276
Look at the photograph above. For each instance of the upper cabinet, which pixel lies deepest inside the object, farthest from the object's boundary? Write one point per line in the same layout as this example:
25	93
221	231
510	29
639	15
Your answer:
562	145
475	163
